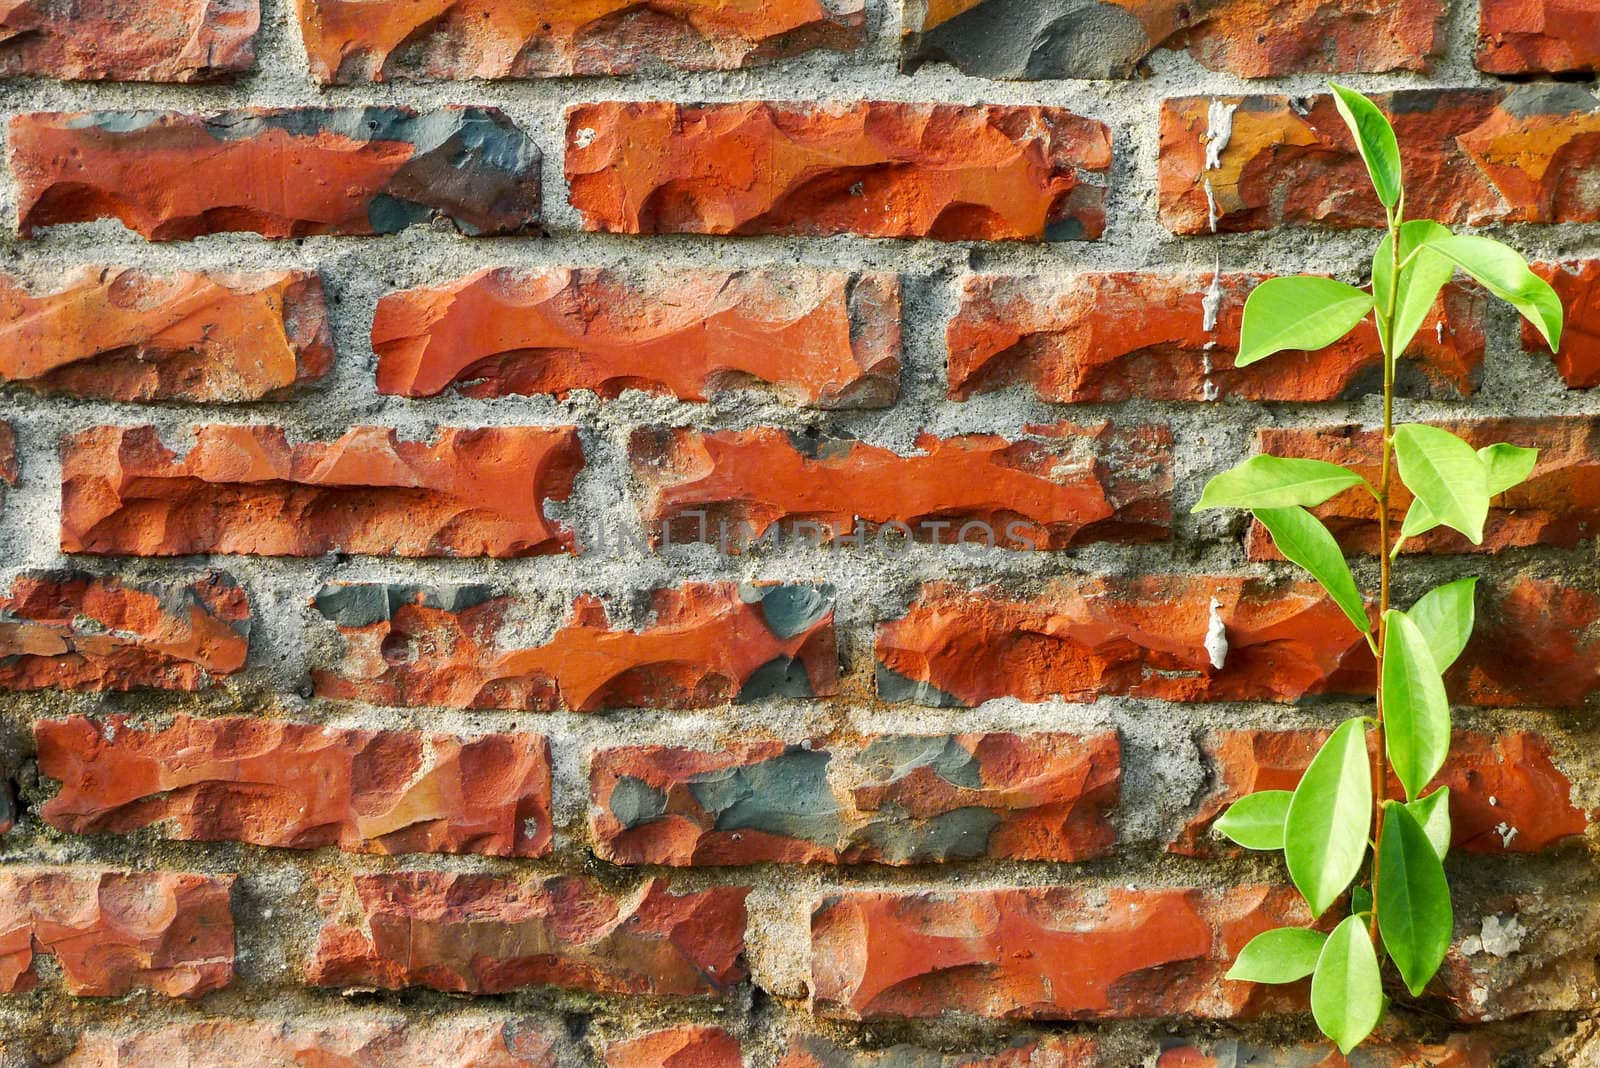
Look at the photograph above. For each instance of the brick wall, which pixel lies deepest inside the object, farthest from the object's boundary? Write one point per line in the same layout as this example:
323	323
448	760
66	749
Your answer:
657	534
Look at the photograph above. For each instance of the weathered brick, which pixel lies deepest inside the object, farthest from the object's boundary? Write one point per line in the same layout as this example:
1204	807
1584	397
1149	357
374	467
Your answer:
1506	793
1578	359
1559	505
677	1047
299	785
128	40
354	40
1057	487
246	489
1044	953
1536	643
340	1042
893	799
824	338
280	172
1472	156
483	935
1127	335
73	630
1470	1050
1527	952
1538	37
128	335
1036	39
1083	637
10	471
875	168
1045	1051
705	644
112	932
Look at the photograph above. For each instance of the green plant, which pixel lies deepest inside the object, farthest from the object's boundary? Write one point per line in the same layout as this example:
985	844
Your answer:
1335	824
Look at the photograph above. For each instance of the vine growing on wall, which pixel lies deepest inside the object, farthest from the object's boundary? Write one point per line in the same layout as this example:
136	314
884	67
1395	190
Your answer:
1379	859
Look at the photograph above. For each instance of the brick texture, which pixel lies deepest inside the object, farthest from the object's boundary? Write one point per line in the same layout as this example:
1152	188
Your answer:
1538	37
1054	1051
128	40
1578	359
677	1047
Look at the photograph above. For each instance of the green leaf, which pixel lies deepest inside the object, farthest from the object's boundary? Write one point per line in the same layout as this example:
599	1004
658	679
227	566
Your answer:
1374	138
1360	900
1503	272
1446	475
1445	615
1346	989
1325	832
1256	820
1432	813
1416	714
1284	955
1414	913
1507	465
1302	538
1278	482
1420	280
1304	312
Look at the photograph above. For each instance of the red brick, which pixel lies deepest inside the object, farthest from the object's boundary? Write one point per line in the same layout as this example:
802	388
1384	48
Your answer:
246	489
75	631
482	935
1045	1051
128	40
340	1042
299	785
1472	156
1538	36
875	168
354	40
677	1047
128	335
1506	793
1056	487
891	799
112	932
706	644
1537	642
1559	505
1044	953
824	338
285	172
1578	359
1083	637
1457	1051
1114	336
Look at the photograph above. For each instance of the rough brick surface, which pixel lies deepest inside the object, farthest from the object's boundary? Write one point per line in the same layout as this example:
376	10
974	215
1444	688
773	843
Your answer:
1052	1051
300	786
1030	39
823	338
77	631
1115	336
705	644
1046	953
246	489
1059	486
113	932
1506	793
128	40
280	172
891	800
1578	359
351	40
1521	953
483	935
1472	156
1458	1051
677	1047
1536	644
879	169
1538	37
129	335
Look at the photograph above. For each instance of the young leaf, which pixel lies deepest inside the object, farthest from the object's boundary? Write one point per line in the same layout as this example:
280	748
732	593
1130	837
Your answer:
1325	832
1445	615
1420	280
1304	312
1446	475
1414	913
1302	538
1374	138
1507	465
1503	272
1277	482
1346	989
1416	714
1282	955
1432	813
1255	821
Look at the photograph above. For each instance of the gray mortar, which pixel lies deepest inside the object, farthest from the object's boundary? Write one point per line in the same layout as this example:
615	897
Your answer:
1163	773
